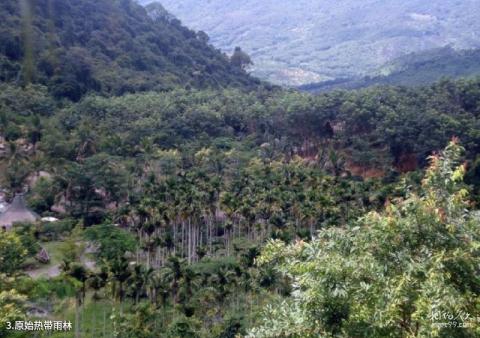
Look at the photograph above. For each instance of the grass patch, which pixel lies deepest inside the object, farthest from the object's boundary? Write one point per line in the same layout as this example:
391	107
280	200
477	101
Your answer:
36	269
94	319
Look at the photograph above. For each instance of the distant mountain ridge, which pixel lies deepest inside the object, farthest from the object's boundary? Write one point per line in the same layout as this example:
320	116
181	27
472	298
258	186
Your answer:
414	69
304	41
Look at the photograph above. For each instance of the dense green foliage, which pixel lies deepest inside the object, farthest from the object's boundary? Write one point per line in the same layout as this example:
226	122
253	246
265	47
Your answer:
190	184
374	128
391	274
167	192
112	47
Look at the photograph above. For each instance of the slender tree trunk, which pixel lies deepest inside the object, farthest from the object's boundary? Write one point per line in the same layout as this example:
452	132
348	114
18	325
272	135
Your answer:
210	235
174	238
77	316
189	241
148	253
195	241
183	238
201	235
94	319
225	239
104	322
192	250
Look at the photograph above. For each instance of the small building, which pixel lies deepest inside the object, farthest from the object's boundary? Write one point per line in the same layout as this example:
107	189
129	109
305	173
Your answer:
3	206
3	203
43	256
17	212
49	219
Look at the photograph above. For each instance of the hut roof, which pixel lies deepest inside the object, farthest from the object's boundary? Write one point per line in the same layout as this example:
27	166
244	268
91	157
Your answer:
43	256
17	212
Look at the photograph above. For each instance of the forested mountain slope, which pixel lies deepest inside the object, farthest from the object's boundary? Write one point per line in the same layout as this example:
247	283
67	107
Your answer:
160	171
304	41
414	69
110	47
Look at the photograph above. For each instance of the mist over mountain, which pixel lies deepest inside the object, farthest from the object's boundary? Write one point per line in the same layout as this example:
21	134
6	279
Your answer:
298	42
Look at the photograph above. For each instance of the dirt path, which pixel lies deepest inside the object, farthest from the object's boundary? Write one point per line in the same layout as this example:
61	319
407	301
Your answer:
51	271
87	262
48	272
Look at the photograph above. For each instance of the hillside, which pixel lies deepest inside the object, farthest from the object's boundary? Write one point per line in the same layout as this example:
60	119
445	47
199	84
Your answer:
110	47
299	42
414	69
150	188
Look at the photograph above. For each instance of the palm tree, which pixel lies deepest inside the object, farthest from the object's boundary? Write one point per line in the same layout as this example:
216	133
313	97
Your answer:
159	287
17	169
149	243
119	274
147	149
78	273
97	281
188	284
223	278
139	279
35	132
173	272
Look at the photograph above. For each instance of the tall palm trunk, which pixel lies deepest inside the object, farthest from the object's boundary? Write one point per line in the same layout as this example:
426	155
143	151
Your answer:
78	304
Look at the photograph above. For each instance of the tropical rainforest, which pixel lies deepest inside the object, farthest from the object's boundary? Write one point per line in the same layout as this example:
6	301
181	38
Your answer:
178	196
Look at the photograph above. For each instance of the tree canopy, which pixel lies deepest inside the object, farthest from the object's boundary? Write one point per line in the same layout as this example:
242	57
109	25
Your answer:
389	275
